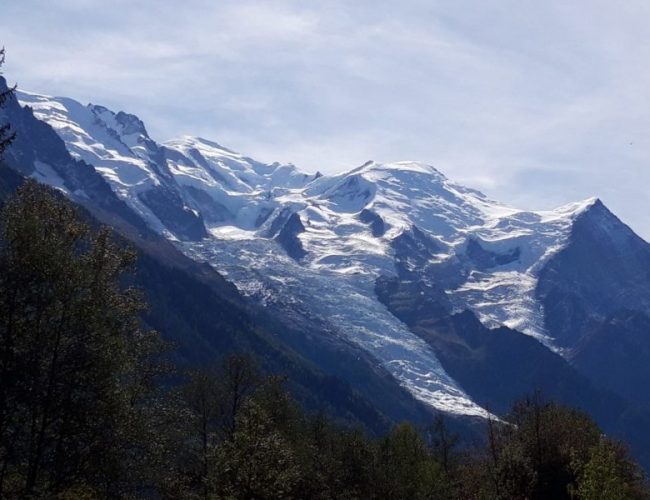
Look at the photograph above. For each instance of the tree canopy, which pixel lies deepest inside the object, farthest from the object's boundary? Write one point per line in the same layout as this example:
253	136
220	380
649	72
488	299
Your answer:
6	135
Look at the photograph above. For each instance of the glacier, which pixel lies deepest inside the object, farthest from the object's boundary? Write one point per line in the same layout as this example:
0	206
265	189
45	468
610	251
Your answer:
316	244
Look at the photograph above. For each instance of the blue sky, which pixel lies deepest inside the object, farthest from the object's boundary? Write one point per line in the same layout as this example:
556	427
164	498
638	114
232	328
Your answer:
535	103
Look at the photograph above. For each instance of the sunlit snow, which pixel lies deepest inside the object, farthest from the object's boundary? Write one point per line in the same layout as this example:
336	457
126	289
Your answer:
334	282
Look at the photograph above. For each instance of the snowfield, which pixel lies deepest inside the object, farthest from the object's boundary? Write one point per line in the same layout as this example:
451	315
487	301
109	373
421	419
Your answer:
485	255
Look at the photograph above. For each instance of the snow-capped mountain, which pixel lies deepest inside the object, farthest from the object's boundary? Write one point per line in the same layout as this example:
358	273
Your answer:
319	248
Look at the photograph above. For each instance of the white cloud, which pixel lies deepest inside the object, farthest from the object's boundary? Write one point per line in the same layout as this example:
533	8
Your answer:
535	102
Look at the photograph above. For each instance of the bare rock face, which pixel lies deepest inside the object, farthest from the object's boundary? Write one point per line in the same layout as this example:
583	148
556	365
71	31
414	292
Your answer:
463	302
288	237
603	268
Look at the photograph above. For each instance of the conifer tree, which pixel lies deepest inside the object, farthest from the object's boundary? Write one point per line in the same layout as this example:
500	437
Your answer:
6	135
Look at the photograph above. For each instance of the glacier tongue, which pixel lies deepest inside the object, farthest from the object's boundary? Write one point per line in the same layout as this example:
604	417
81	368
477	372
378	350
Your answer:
342	231
346	303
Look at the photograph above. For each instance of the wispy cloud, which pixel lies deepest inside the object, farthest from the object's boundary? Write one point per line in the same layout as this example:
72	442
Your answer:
537	103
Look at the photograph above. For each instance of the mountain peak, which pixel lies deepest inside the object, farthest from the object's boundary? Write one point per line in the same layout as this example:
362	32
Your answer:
324	241
194	141
601	222
127	127
400	167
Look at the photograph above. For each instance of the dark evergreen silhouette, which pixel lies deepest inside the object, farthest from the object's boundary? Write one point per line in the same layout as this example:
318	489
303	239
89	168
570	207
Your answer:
6	135
75	364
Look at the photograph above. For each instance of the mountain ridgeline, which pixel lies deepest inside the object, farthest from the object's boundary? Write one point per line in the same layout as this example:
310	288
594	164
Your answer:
111	418
200	312
385	293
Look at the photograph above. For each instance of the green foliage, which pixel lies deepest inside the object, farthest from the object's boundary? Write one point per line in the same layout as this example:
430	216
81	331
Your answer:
609	474
546	450
269	448
408	470
74	362
549	435
6	135
257	461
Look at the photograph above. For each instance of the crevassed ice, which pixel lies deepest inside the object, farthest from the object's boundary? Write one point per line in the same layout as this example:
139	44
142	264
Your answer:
335	280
